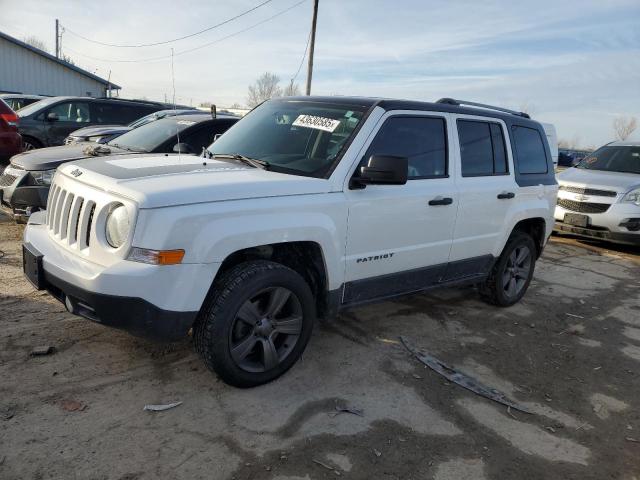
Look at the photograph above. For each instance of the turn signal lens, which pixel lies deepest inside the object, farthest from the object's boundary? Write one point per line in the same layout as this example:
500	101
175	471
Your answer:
156	257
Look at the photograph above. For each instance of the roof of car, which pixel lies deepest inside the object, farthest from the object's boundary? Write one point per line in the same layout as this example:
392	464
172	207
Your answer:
624	143
396	104
21	95
193	117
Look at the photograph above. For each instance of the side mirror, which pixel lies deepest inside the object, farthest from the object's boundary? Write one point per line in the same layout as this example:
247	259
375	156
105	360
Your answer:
384	170
52	117
182	148
216	136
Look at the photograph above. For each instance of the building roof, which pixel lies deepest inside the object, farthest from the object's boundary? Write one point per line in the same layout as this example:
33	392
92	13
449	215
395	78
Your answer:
48	56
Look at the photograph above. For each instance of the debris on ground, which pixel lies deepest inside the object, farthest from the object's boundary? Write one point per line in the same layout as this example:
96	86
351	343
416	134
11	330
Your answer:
161	408
377	452
462	379
72	405
328	467
630	439
42	350
7	413
346	409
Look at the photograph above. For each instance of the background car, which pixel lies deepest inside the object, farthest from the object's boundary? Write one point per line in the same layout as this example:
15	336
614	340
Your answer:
18	100
29	175
10	139
105	133
570	158
600	197
48	122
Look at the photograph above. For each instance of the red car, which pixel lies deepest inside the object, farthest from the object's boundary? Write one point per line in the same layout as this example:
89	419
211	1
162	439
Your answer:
10	139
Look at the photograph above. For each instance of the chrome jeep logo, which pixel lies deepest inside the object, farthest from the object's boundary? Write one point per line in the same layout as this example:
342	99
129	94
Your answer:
76	173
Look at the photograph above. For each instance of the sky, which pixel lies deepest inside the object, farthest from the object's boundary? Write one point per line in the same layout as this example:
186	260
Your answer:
573	63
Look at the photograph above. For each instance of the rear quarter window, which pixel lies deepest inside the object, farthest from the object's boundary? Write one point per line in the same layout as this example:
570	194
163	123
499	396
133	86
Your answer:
531	157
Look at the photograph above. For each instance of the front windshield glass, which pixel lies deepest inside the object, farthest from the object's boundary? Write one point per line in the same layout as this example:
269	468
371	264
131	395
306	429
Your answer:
613	159
152	135
35	107
144	120
298	137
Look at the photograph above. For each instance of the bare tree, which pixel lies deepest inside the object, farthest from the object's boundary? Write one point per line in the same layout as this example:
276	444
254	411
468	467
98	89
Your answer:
570	144
35	42
236	105
266	87
291	90
624	126
68	59
205	104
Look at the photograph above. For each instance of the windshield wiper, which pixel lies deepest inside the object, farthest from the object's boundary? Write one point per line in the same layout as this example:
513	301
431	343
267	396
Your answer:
129	149
254	162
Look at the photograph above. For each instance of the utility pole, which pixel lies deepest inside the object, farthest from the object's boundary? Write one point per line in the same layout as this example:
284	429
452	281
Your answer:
312	46
57	38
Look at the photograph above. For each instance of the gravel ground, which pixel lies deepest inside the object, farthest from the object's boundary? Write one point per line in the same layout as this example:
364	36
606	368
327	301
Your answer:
570	353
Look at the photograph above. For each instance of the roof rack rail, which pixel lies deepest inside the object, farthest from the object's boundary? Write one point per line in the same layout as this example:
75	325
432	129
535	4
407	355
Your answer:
452	101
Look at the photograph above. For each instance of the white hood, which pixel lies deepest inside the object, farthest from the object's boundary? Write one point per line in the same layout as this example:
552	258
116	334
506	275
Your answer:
154	181
599	179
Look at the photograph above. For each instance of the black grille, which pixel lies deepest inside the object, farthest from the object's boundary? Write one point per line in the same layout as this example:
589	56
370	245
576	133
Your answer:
588	191
583	207
6	180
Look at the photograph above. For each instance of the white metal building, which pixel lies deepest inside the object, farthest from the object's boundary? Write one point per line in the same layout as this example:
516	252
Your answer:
29	70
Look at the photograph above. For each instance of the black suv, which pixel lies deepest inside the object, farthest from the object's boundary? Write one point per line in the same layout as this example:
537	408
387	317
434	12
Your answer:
48	122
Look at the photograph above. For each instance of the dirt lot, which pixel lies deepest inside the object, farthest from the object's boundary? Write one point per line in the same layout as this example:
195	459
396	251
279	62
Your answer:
570	352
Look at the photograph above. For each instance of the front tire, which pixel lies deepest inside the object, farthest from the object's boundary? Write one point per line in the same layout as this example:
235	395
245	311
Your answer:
256	323
511	275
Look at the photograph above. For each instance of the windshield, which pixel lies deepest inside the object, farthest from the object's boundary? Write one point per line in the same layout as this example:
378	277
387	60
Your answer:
150	136
37	106
302	138
613	159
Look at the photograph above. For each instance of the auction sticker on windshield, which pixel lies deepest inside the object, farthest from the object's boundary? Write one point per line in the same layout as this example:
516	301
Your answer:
319	123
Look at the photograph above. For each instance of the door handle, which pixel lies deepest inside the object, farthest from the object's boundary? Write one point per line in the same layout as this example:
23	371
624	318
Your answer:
506	195
441	201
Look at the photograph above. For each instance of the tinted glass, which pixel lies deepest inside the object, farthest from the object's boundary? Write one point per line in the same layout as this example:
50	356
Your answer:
105	113
199	138
421	139
152	135
529	150
499	151
77	112
298	137
613	159
476	148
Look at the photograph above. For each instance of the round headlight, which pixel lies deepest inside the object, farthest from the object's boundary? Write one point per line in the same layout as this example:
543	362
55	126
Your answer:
117	226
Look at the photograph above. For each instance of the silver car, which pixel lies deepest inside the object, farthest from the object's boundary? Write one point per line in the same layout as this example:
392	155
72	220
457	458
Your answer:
600	197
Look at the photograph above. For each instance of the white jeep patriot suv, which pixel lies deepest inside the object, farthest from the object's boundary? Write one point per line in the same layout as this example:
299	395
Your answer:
305	207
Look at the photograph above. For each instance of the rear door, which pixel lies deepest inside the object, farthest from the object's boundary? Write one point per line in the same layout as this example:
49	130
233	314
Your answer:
487	191
399	236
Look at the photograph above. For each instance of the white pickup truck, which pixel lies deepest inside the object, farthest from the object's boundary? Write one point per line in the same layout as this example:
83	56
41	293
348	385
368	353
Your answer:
305	207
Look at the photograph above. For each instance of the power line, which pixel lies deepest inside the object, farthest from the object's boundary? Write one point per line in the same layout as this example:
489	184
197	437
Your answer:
208	44
302	59
169	41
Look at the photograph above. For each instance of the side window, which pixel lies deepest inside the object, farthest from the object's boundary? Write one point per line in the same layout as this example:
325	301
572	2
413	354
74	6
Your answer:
530	153
482	148
72	112
104	113
423	140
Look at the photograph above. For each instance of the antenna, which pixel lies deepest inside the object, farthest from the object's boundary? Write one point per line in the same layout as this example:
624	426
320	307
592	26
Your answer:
173	83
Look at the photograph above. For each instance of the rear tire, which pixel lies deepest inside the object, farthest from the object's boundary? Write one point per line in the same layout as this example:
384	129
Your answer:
512	273
255	324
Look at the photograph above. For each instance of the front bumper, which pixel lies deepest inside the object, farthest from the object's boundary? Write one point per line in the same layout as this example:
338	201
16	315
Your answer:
617	224
159	302
18	198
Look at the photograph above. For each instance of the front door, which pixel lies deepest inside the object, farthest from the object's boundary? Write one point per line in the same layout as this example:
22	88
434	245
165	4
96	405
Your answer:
70	116
399	236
